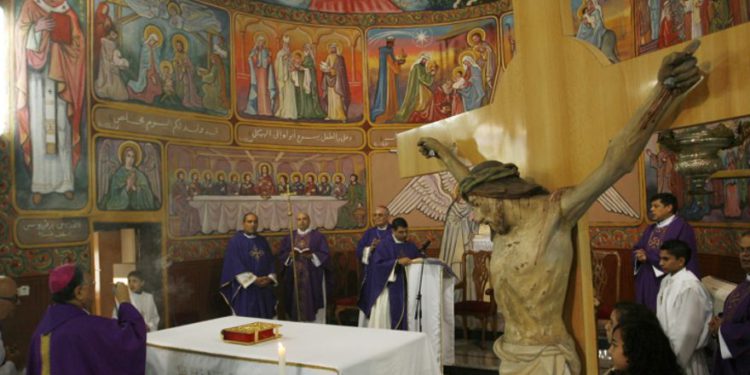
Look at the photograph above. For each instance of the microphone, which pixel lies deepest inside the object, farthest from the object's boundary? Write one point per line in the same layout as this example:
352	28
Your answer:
424	246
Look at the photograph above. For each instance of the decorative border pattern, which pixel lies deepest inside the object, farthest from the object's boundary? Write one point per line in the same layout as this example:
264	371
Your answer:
363	19
710	240
19	262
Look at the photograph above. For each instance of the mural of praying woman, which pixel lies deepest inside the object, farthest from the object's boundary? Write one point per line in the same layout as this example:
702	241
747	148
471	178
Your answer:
128	187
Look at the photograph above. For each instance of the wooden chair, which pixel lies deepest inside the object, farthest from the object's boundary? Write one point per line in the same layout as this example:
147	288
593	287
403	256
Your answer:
479	307
347	280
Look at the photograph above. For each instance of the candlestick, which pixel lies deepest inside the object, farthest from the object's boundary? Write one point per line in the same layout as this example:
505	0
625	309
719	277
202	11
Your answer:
282	359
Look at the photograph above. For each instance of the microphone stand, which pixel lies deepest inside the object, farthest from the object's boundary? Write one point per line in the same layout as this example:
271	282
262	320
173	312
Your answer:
418	309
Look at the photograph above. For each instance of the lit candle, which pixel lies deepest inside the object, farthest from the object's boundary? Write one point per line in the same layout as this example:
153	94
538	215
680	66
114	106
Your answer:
282	360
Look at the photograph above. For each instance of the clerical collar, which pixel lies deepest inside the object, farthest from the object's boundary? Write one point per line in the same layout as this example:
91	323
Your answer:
304	232
384	227
747	277
666	222
251	236
396	240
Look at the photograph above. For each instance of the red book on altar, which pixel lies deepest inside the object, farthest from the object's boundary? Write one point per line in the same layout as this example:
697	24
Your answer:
63	31
252	333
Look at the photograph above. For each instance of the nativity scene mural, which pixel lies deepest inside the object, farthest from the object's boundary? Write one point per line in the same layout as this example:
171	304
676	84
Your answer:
164	54
289	72
50	148
676	165
425	74
128	175
210	189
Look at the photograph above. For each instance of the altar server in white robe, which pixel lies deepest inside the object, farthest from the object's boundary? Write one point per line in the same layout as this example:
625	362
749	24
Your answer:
684	308
142	301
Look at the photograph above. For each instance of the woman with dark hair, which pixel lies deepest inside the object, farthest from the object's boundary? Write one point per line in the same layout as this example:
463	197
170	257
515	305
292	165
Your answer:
625	311
640	347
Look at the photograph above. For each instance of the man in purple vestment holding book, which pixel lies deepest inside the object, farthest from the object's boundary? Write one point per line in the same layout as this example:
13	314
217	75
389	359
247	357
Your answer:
248	276
668	226
312	272
732	328
69	340
383	295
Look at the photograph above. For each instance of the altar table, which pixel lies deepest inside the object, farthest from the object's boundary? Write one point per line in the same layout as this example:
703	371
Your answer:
311	349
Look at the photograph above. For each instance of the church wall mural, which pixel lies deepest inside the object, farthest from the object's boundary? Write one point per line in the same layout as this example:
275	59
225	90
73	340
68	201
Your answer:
606	24
660	24
425	74
157	94
291	72
128	175
50	148
212	188
623	29
169	55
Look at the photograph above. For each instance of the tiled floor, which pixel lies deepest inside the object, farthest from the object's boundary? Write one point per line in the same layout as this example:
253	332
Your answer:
469	356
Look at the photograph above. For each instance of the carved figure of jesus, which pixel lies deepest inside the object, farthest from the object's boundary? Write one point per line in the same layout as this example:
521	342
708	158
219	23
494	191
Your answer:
532	228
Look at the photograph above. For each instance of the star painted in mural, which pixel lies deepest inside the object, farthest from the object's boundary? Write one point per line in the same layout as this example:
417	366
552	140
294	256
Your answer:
423	38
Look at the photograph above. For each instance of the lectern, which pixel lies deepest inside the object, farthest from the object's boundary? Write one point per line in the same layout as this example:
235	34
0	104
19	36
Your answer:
437	321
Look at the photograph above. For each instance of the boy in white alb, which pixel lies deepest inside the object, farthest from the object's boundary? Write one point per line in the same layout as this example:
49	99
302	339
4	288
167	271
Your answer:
143	301
684	308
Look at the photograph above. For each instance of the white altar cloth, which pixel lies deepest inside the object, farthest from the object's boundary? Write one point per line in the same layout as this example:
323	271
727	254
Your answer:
222	213
310	349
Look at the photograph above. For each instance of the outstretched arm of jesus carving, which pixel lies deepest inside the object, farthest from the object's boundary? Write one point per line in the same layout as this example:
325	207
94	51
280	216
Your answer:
432	148
678	75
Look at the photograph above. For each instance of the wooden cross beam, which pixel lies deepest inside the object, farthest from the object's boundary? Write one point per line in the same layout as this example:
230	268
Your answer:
558	105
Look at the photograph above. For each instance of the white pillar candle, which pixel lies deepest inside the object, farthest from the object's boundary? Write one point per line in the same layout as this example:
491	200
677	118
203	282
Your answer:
282	360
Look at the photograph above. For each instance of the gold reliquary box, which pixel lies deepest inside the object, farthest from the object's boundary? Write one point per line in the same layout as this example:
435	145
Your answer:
252	333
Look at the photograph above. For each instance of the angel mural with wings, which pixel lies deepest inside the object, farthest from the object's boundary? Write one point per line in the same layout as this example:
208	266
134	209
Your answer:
128	178
434	195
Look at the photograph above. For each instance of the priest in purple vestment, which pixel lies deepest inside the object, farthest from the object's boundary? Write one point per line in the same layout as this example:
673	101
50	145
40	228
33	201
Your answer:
732	329
69	340
248	276
668	226
373	235
382	298
311	262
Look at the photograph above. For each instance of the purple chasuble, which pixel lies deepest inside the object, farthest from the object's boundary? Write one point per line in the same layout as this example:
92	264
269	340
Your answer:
735	330
309	277
81	344
646	282
371	235
248	254
384	260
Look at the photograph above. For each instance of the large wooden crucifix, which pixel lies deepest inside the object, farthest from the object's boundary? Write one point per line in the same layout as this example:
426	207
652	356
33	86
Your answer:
557	107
